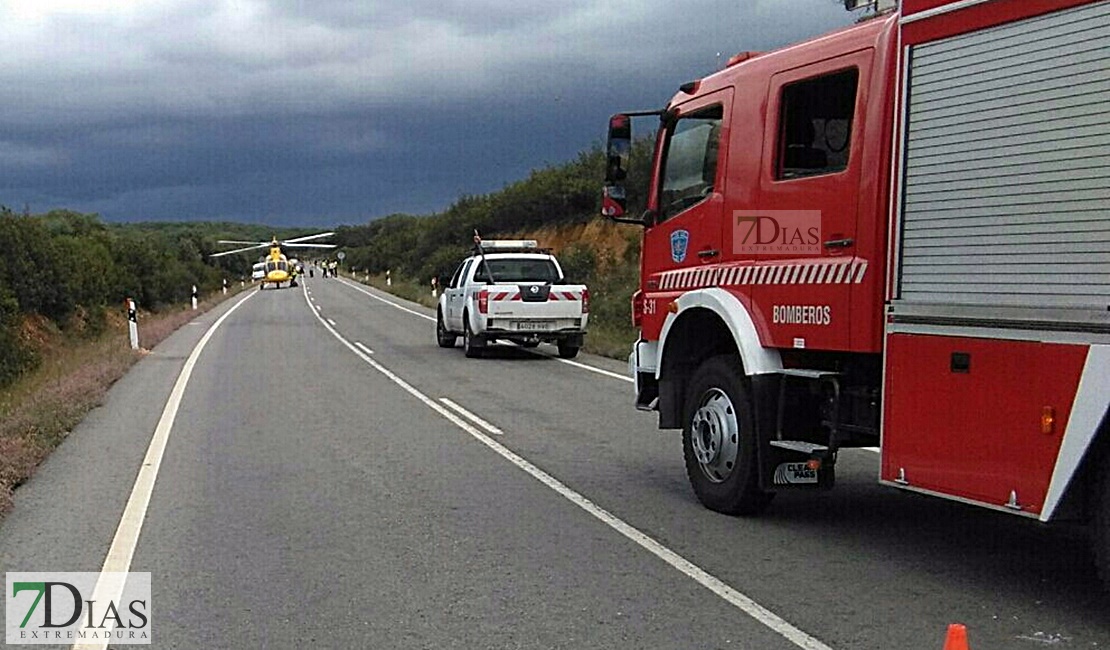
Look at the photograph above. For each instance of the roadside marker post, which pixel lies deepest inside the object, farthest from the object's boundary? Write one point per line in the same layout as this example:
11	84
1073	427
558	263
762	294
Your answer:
225	286
388	279
194	297
435	283
132	324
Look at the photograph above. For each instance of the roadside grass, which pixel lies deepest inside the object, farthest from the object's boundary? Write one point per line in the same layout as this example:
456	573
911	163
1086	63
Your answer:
610	330
39	410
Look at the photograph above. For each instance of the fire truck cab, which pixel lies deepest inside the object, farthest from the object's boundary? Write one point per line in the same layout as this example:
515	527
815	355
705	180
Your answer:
895	235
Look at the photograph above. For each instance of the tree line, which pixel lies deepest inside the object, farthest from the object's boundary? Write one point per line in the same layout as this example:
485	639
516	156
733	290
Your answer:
69	268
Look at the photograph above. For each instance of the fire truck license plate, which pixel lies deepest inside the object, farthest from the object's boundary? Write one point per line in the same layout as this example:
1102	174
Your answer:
534	325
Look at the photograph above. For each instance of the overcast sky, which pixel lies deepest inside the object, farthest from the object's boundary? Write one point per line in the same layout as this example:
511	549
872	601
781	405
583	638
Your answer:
320	112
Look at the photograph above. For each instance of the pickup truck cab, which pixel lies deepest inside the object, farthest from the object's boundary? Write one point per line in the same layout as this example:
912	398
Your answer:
514	291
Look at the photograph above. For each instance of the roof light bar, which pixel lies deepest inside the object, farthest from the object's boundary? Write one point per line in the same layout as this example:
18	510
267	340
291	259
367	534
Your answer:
493	245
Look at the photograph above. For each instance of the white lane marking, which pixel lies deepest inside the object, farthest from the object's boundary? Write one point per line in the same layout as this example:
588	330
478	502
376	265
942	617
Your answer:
742	602
332	322
473	418
872	449
388	302
584	366
109	588
362	347
576	364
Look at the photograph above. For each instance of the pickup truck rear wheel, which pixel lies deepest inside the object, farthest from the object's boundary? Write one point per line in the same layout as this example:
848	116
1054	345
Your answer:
718	440
567	350
473	344
444	338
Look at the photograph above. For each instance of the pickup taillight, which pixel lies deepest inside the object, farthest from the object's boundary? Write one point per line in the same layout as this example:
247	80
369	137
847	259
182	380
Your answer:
585	301
637	308
483	301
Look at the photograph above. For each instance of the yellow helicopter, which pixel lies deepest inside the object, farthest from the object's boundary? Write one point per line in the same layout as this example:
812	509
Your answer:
277	269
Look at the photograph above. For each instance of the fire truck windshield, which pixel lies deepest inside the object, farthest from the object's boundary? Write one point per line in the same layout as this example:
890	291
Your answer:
690	163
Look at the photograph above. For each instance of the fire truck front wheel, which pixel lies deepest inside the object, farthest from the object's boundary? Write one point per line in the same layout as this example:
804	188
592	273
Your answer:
718	440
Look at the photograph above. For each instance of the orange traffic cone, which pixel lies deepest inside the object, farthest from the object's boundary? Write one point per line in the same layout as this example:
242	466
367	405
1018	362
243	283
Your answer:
957	638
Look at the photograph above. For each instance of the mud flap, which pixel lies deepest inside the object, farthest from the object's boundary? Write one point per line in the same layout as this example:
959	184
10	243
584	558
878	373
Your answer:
784	468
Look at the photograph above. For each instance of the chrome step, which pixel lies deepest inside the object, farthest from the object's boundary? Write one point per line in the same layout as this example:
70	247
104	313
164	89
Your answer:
800	446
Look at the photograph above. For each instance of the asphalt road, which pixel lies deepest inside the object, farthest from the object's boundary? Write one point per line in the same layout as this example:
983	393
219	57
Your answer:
318	491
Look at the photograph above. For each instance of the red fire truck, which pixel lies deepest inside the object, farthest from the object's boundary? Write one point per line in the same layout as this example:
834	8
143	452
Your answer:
896	235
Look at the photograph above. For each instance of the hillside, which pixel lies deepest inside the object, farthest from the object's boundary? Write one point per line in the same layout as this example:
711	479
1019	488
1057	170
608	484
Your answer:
557	205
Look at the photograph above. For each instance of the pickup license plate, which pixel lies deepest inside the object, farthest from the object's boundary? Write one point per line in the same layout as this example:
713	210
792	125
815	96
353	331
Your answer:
534	325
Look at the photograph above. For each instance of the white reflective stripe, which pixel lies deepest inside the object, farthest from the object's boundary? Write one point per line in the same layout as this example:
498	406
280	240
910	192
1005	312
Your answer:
812	275
1087	413
746	275
822	271
862	270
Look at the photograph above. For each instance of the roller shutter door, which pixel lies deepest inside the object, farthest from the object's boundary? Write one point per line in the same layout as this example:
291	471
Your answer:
1006	195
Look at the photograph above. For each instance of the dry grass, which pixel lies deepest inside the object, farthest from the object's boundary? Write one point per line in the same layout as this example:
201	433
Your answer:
39	410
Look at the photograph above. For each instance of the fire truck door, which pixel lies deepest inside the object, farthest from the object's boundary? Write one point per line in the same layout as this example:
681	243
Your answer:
690	199
810	188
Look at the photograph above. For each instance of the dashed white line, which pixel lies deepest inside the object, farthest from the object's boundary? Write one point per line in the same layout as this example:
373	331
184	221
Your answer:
362	347
470	416
110	586
332	322
742	602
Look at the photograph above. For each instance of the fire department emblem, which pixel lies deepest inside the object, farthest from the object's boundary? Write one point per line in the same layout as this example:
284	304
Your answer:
679	240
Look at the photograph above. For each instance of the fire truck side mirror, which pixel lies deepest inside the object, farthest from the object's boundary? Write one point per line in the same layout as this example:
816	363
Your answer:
618	148
613	201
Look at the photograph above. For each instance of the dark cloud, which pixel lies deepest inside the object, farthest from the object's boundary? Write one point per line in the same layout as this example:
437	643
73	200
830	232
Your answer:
334	111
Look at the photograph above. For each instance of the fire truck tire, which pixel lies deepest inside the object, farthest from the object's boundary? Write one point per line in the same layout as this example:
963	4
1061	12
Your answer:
1101	537
718	440
567	351
444	338
473	344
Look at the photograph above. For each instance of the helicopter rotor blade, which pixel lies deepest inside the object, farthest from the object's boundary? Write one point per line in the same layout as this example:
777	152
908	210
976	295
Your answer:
240	250
307	238
288	245
236	241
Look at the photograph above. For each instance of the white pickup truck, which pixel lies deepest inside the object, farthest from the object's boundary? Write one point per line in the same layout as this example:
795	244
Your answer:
512	290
